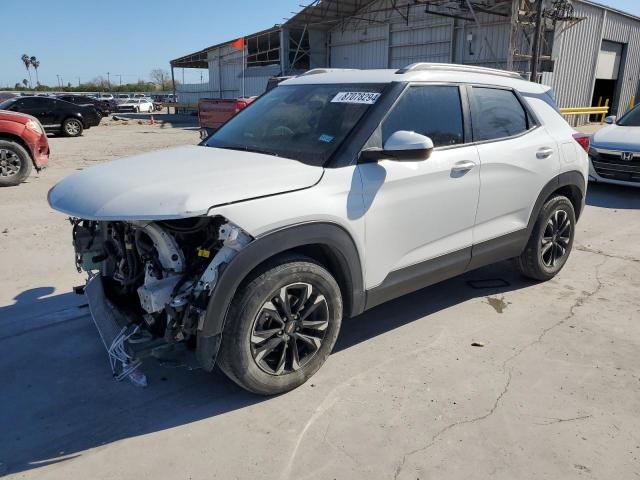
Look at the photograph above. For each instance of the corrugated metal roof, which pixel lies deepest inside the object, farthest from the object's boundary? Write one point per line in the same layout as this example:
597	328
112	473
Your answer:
611	9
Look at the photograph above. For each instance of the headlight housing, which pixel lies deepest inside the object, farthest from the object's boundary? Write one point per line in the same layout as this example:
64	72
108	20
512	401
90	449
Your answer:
35	126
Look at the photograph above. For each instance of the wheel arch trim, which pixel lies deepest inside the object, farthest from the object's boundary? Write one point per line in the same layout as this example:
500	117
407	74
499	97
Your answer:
326	234
572	178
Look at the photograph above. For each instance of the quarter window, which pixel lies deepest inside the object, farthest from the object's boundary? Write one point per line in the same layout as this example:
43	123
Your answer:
434	111
496	113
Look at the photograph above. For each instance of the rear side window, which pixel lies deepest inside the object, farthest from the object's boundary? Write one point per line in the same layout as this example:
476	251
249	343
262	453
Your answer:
434	111
496	113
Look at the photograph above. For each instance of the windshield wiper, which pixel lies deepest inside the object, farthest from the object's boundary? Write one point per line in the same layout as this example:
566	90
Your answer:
250	149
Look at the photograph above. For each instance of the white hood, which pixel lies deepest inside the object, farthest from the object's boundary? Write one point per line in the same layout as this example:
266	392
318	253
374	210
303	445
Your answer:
616	137
177	183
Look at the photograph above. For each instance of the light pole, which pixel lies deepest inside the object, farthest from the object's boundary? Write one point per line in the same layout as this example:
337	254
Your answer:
108	82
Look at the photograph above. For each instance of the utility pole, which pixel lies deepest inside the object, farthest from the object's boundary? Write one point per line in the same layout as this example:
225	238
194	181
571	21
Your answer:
59	80
108	82
535	54
78	82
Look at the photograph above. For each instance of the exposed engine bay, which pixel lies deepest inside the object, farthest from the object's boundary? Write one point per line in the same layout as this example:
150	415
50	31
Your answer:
156	277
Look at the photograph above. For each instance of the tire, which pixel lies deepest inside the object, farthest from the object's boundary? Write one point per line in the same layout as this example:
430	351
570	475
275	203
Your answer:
257	349
72	127
15	163
551	240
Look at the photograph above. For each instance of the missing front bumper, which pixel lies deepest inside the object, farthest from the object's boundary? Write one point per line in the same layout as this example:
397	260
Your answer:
115	332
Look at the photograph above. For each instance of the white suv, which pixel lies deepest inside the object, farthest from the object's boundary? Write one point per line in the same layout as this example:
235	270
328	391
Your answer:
330	194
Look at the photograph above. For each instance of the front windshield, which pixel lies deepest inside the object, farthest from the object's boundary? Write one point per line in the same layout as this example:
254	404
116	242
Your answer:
301	122
631	118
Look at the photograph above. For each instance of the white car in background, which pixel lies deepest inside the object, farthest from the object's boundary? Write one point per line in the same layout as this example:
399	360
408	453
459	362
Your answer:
136	105
615	151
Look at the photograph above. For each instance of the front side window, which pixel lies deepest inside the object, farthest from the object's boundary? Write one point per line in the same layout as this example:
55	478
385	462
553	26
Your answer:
431	110
302	122
631	118
496	113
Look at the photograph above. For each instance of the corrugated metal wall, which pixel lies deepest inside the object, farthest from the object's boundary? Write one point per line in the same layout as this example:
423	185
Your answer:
365	47
576	55
392	42
225	78
489	45
416	36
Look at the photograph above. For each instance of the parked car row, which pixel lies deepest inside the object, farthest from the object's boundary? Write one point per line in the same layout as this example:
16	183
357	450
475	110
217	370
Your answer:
56	115
136	105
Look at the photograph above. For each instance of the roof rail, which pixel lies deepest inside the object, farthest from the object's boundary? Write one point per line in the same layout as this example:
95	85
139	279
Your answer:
414	67
316	71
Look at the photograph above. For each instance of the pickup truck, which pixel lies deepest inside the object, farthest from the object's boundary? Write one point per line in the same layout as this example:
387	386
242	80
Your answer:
213	112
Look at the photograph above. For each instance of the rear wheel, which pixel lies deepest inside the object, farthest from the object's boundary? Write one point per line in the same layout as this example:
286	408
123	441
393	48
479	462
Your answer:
281	326
551	240
72	127
15	163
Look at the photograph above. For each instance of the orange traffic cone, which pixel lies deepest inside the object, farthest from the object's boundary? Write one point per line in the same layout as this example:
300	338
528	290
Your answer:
152	121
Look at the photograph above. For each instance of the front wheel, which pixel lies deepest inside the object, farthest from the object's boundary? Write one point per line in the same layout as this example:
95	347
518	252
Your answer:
15	163
551	240
281	326
72	127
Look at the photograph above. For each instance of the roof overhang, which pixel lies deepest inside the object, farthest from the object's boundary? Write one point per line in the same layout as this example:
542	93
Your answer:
199	59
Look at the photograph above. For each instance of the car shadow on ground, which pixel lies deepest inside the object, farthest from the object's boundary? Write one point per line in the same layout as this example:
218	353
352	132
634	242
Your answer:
58	398
607	195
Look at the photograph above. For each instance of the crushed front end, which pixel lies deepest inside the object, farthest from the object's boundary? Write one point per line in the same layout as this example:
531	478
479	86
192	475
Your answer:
149	281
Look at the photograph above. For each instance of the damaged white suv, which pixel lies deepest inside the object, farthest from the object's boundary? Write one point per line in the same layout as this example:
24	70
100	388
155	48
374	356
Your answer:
330	194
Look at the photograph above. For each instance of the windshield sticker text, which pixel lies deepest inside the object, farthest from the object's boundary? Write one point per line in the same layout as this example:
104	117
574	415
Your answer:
368	98
326	138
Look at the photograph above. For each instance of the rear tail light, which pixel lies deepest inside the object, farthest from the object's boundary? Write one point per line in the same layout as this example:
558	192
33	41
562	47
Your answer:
583	139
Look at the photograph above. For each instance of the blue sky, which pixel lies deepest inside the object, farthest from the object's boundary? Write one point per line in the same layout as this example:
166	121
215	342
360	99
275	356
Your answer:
86	38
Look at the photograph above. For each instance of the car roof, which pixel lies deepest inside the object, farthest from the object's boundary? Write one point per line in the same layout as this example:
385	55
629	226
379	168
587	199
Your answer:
420	72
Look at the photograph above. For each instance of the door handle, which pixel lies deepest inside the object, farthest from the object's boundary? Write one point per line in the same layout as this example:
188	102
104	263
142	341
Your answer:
544	152
462	167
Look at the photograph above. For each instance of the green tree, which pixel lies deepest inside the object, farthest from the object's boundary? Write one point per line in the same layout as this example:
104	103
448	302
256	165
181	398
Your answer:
27	63
35	63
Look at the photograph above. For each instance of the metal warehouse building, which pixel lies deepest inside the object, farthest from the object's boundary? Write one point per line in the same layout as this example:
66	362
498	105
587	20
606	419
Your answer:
589	53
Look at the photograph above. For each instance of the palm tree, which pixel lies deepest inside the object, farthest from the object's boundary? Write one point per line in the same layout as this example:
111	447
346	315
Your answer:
27	63
35	63
25	82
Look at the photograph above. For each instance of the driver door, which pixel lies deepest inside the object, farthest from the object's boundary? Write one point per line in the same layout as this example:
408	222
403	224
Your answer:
420	214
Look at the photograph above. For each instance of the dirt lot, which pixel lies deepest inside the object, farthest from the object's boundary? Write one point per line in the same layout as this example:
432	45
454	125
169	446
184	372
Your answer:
554	393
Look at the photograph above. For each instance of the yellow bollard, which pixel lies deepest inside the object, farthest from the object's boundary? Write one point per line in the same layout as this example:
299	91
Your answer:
606	104
632	102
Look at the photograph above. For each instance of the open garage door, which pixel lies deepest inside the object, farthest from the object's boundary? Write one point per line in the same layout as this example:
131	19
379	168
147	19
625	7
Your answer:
608	71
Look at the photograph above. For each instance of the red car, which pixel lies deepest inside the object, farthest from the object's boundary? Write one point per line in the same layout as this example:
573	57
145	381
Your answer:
23	145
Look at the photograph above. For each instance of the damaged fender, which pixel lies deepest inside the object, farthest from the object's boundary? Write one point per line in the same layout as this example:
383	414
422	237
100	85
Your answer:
334	240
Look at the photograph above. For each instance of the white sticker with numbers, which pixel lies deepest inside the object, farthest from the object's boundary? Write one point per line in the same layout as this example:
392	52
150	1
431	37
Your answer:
367	98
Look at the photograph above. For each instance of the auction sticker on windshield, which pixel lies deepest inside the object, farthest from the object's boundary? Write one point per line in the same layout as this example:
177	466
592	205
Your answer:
368	98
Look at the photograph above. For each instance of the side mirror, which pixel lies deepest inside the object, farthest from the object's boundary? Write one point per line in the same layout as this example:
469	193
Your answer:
611	119
402	146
